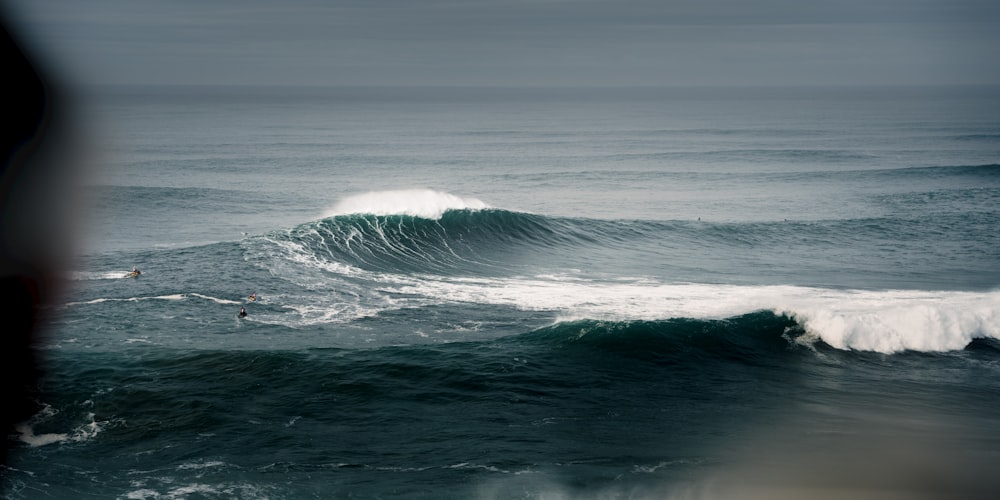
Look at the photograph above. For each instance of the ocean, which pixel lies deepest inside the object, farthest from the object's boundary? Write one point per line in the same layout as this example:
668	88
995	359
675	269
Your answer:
527	293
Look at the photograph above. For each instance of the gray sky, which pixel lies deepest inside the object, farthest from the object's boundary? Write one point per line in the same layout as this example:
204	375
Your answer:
516	42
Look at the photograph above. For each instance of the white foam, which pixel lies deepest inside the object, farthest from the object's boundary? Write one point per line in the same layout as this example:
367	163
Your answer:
584	299
28	436
87	302
303	315
426	203
26	432
142	494
98	275
193	489
88	430
171	297
200	465
883	321
893	321
175	296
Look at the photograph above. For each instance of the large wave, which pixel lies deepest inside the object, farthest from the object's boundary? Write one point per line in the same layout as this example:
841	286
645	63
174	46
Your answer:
886	321
414	249
862	252
425	231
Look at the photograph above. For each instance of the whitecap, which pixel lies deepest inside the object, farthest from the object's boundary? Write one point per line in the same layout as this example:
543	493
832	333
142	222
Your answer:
426	203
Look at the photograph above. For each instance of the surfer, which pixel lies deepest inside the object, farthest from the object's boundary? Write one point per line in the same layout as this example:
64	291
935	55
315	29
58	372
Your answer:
243	312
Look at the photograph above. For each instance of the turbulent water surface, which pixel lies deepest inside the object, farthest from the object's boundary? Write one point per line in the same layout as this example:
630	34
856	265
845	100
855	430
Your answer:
529	293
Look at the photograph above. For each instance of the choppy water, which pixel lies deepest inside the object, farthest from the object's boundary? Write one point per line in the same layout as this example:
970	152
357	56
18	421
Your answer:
496	293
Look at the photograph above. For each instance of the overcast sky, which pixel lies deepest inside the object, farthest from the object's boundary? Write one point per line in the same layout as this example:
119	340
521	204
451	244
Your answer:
516	42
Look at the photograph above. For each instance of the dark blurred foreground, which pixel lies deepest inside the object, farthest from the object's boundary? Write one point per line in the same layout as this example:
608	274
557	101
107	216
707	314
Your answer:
34	231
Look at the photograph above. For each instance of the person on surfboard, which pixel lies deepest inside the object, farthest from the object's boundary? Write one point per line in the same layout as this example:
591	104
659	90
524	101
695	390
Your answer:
135	271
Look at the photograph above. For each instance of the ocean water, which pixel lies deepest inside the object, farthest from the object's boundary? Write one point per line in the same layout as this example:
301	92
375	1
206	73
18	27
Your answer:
528	293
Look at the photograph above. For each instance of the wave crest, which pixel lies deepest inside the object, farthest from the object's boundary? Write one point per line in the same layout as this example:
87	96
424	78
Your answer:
425	203
886	322
895	321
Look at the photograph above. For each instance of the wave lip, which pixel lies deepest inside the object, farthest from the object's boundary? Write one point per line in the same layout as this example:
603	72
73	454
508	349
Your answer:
424	203
896	321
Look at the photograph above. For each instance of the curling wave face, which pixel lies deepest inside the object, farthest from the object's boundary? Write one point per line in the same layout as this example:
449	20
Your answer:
370	265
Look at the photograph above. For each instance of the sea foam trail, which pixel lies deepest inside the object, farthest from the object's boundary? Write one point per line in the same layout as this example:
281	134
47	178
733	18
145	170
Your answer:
173	297
98	275
426	203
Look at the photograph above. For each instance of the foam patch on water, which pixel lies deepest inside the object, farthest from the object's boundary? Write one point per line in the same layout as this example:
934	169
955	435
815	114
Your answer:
201	465
84	432
425	203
